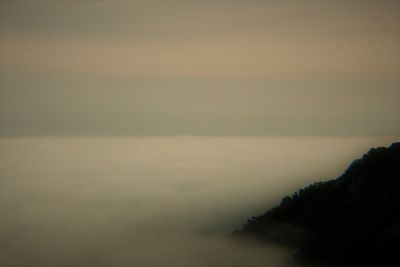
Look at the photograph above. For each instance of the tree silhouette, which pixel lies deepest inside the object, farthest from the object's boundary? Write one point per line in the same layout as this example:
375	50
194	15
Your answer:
353	220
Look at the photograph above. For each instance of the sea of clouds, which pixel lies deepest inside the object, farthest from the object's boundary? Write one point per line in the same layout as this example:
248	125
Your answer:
153	201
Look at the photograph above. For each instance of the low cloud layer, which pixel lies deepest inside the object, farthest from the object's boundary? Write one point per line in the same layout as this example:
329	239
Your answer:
152	201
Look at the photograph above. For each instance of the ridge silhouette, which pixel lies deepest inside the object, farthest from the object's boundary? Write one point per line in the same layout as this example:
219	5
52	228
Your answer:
353	220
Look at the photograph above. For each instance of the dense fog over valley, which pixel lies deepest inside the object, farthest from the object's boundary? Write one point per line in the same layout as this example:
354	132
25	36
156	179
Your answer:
147	133
153	201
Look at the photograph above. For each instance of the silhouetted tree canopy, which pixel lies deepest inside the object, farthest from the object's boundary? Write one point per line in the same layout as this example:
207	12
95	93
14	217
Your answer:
353	220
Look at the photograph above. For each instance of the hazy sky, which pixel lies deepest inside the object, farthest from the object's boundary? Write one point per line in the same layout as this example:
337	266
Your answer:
199	67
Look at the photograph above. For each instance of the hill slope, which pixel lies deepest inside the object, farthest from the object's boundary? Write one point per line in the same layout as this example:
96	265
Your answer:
354	219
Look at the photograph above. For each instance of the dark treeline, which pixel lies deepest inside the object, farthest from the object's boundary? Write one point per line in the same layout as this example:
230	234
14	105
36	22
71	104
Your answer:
353	220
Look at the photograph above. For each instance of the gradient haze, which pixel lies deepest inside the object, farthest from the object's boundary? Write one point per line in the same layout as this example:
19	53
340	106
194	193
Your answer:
199	67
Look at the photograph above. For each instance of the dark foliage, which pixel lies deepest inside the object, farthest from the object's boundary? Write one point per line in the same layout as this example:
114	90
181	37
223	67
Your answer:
353	220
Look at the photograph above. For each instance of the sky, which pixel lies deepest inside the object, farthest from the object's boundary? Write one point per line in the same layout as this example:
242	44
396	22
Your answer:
163	67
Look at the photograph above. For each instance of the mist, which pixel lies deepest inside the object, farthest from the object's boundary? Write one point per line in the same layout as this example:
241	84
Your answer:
143	133
153	201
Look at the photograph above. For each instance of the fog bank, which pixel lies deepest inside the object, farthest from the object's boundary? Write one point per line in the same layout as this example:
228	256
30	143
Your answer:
153	201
